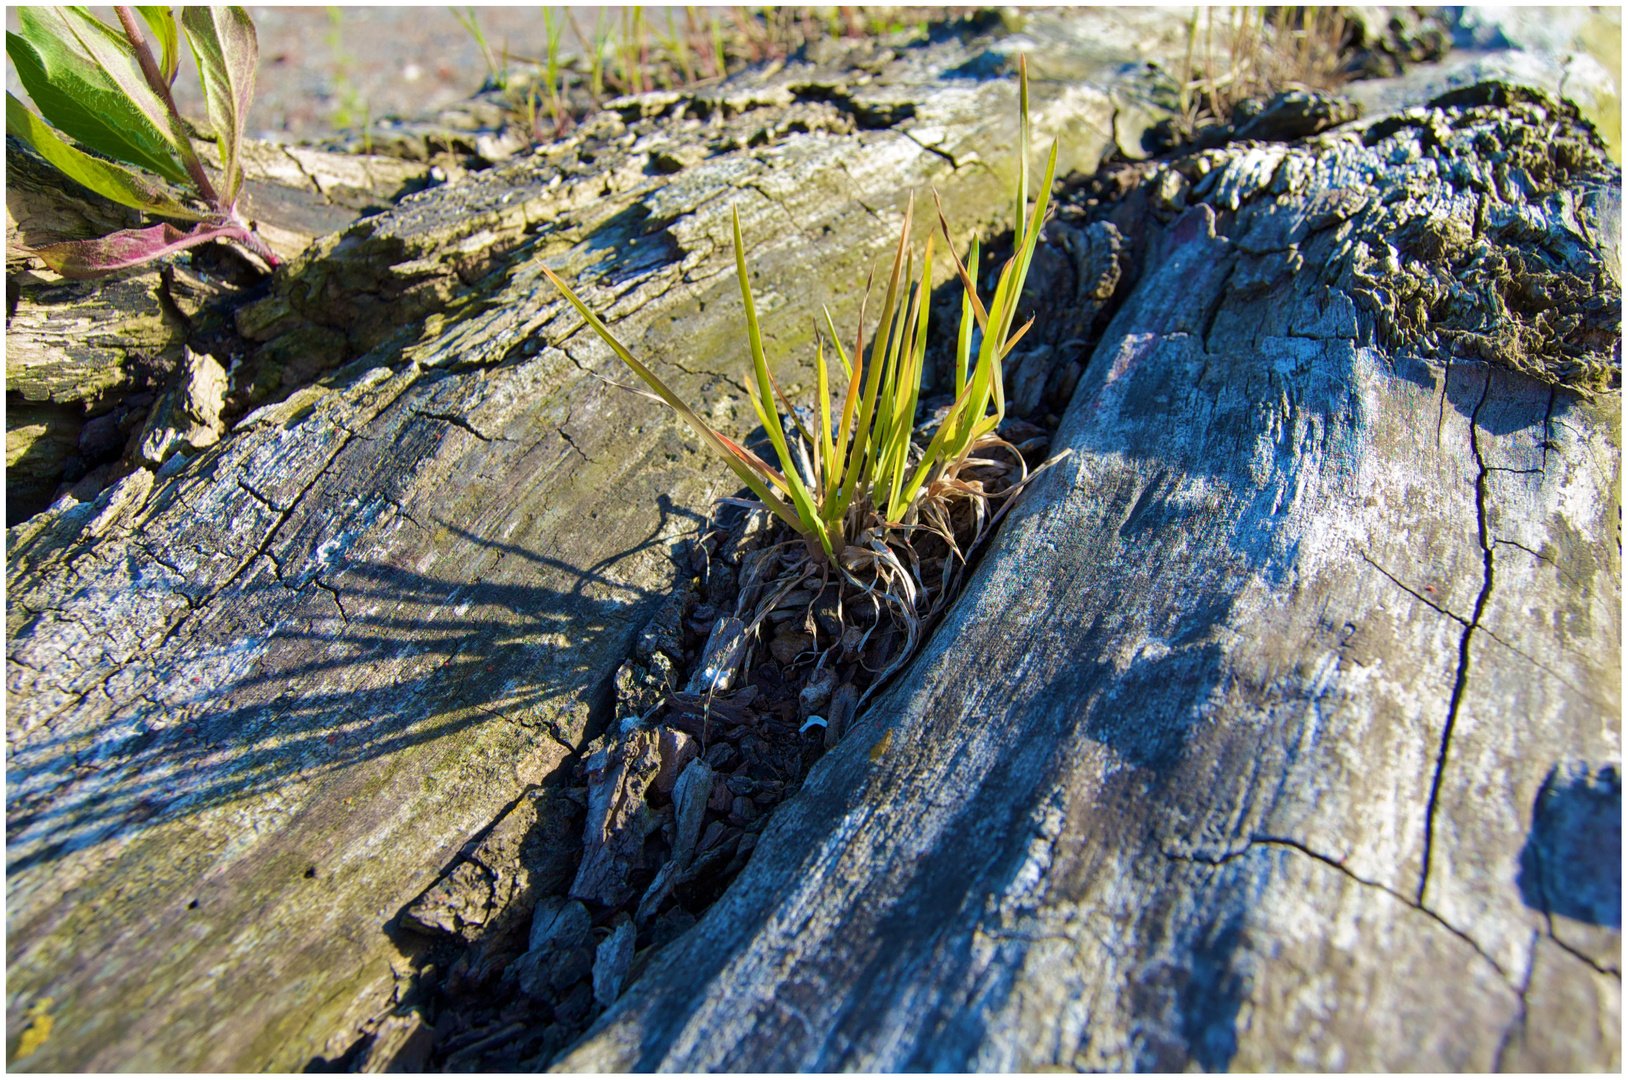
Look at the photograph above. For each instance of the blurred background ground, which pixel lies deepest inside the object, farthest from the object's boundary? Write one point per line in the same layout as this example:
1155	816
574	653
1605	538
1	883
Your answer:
324	70
328	70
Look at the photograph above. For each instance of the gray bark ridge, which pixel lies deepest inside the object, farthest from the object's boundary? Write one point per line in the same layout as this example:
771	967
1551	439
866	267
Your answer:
263	697
1250	744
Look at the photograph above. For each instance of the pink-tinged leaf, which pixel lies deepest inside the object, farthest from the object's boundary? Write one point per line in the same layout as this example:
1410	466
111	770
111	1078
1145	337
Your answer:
82	259
224	45
78	98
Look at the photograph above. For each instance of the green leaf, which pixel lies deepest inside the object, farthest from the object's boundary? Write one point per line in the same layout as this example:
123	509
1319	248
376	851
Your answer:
224	45
136	101
103	177
161	21
77	98
114	53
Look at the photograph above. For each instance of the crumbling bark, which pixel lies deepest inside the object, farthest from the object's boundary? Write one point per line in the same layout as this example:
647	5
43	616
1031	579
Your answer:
1250	743
86	360
1227	757
263	697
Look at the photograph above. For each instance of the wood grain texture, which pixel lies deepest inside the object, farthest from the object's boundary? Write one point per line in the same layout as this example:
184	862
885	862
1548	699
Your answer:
77	351
1253	740
261	698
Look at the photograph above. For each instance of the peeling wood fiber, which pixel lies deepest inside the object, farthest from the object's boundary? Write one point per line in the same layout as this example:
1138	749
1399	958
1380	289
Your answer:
1249	743
259	699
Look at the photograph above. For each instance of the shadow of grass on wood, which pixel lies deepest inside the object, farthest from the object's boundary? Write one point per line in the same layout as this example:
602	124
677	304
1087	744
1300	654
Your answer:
316	699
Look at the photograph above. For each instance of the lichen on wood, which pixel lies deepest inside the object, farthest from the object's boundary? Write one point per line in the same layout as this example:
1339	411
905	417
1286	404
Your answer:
262	697
1254	723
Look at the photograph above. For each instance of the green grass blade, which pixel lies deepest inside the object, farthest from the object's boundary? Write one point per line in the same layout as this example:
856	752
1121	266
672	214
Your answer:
842	355
800	496
802	429
946	444
899	329
908	387
987	377
963	340
1023	148
960	270
1041	204
918	361
835	500
732	454
826	447
859	455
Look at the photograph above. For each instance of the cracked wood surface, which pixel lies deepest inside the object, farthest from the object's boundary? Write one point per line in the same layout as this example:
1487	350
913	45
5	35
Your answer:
261	698
78	350
1281	726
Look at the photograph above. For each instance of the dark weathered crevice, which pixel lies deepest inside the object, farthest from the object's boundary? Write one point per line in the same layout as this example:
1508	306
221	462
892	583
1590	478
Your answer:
265	545
249	489
459	422
333	593
1461	678
1518	1024
1423	599
157	557
1560	677
262	549
1548	426
1259	840
781	203
1414	904
1540	556
863	205
401	510
1441	402
945	154
1216	305
565	436
1585	958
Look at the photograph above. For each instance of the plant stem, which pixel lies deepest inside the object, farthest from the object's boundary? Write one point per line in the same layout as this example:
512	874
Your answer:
155	79
252	240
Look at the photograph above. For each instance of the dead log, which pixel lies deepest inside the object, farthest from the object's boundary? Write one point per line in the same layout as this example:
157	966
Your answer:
1185	781
1281	726
263	697
87	361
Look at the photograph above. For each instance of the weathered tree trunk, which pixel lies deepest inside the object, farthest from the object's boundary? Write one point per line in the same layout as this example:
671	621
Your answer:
86	360
1280	728
261	698
1271	733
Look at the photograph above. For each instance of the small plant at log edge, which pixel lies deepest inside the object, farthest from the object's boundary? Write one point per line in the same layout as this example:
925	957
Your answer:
855	490
103	88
